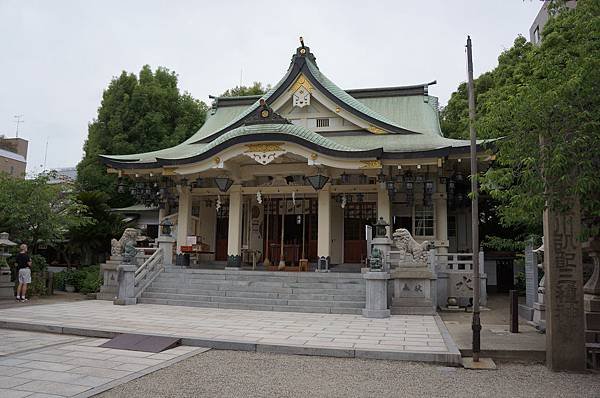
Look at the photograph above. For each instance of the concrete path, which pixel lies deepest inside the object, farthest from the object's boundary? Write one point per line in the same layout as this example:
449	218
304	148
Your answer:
49	365
401	337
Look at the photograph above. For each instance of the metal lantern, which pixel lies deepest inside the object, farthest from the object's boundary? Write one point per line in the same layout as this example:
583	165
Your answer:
381	177
224	183
121	186
380	228
428	187
409	185
390	186
317	181
165	227
344	178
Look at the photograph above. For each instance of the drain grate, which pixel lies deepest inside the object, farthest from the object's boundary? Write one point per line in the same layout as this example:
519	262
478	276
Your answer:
140	342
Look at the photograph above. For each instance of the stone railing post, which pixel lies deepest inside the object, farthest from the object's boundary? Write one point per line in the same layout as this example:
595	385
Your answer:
126	281
166	243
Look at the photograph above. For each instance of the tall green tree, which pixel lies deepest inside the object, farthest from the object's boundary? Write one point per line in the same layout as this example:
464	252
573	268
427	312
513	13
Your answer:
35	212
548	93
555	100
257	88
137	114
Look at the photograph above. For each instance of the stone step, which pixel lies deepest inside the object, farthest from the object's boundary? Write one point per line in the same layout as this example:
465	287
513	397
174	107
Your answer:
265	286
234	293
255	301
253	307
272	282
263	274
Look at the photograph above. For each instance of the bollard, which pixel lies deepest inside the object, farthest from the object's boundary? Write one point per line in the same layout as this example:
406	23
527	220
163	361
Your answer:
514	311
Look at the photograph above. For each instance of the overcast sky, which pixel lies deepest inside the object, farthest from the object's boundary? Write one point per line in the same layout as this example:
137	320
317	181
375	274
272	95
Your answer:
58	56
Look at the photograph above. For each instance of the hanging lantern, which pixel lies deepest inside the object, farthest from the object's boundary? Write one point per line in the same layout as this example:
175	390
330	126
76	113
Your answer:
381	177
362	179
344	199
419	179
390	186
344	178
317	181
408	177
409	185
429	188
121	186
224	183
259	197
458	177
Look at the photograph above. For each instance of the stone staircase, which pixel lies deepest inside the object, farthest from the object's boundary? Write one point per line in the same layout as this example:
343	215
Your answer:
336	293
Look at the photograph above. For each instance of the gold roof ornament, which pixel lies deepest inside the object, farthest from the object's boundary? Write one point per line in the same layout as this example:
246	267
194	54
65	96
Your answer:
371	164
376	130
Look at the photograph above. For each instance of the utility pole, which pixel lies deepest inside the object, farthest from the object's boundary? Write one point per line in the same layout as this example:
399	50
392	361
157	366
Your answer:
476	324
18	121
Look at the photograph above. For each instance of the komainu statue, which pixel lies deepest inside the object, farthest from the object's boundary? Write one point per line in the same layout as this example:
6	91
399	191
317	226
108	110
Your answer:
117	247
409	247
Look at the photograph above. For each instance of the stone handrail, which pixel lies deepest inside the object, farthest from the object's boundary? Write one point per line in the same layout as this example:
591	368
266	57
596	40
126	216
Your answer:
457	262
148	271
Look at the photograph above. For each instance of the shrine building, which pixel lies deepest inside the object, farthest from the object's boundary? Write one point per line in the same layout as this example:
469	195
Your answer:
297	173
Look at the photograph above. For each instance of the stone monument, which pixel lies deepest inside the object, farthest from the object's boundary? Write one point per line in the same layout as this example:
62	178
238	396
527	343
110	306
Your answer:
565	338
591	290
413	279
531	284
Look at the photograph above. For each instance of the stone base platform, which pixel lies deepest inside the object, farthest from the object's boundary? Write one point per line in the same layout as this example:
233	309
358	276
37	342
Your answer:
407	337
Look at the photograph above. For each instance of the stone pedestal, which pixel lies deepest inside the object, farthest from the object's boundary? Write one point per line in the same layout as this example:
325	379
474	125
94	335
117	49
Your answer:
414	290
166	243
376	286
7	288
591	298
126	280
109	288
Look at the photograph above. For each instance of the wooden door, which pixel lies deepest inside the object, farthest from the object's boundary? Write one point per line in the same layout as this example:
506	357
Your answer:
356	216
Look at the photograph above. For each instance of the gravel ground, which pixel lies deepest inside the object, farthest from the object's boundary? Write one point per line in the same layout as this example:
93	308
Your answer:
249	374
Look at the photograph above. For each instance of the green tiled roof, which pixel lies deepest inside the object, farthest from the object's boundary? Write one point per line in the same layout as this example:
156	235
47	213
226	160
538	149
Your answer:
347	98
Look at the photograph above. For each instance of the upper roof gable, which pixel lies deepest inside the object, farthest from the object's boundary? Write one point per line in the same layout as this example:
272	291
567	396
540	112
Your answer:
303	66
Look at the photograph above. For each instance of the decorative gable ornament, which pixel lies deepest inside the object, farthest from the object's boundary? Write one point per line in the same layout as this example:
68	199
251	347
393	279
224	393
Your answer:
301	97
264	153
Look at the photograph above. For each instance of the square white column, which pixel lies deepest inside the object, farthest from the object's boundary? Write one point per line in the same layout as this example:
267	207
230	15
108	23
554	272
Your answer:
384	208
234	233
184	217
324	221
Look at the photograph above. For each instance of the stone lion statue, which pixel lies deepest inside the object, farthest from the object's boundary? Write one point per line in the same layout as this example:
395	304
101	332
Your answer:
409	247
130	235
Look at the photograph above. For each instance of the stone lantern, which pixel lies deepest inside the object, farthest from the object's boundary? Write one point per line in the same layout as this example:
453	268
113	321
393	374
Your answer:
166	227
381	228
6	286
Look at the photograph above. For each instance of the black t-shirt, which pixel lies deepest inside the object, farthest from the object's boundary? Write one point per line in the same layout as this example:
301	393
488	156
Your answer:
22	260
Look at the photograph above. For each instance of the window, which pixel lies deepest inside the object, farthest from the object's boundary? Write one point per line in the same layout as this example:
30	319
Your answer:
423	221
324	122
536	35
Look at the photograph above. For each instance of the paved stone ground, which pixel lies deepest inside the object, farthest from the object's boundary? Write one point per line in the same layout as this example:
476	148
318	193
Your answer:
245	374
37	365
406	336
496	339
57	297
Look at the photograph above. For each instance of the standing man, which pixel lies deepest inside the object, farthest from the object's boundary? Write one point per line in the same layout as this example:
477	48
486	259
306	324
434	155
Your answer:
24	272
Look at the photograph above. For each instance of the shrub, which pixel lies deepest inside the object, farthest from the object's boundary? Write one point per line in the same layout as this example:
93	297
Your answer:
59	280
91	281
38	263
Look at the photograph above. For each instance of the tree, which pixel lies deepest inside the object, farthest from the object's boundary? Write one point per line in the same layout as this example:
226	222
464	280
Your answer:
256	88
35	212
138	114
89	243
552	96
544	93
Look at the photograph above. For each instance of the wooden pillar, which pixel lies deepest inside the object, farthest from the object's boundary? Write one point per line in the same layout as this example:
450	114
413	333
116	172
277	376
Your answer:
234	237
184	217
324	222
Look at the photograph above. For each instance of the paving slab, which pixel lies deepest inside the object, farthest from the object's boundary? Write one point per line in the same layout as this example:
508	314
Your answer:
411	337
64	370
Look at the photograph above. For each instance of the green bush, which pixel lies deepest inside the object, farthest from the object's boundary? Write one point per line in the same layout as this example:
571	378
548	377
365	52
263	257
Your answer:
37	287
59	280
520	284
85	280
38	263
92	280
